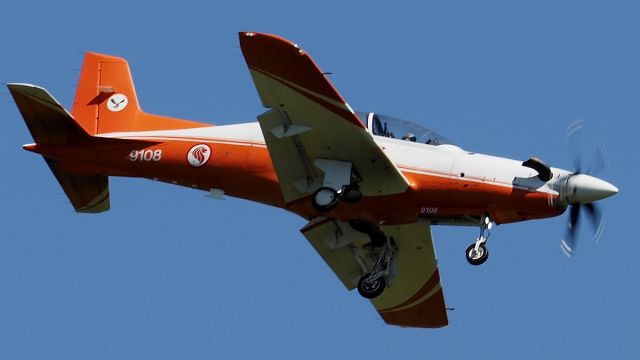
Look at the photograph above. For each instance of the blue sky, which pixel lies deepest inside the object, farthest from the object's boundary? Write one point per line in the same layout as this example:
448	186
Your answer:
169	273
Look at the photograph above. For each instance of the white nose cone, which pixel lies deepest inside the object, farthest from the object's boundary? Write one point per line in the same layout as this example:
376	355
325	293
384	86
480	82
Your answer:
583	189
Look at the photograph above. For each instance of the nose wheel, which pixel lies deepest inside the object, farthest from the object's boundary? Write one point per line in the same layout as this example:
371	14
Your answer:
477	256
477	253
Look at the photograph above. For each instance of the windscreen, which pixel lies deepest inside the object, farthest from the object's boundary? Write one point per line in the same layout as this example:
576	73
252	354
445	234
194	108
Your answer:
391	127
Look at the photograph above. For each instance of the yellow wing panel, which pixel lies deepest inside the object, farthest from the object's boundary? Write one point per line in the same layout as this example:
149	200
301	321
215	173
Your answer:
414	296
309	120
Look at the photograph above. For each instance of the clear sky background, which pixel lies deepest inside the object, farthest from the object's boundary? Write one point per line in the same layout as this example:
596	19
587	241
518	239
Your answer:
169	273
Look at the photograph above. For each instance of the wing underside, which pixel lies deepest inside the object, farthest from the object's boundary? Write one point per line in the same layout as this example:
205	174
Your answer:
308	122
414	296
315	139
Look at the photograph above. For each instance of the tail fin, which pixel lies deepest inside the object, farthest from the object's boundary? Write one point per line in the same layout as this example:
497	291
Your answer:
51	125
106	100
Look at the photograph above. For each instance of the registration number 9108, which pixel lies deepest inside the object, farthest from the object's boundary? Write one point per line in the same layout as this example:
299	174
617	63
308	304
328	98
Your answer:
145	155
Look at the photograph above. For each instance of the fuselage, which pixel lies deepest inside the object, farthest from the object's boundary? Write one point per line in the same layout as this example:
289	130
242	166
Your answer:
448	185
367	183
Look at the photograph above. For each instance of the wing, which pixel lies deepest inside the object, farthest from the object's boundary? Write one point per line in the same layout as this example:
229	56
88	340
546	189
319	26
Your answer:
308	122
414	296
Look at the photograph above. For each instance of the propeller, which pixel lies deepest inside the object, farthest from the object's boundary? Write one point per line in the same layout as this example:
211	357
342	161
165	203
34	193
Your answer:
582	189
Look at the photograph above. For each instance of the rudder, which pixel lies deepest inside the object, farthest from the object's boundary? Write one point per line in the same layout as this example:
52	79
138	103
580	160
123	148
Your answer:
105	99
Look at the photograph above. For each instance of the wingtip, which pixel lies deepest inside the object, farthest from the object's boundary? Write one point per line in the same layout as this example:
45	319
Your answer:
265	37
26	89
20	85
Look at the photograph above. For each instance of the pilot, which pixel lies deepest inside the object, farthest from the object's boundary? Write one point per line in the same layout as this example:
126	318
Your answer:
409	137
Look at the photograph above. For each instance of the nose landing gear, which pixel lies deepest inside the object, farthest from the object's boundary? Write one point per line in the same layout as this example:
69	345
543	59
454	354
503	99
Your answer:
477	253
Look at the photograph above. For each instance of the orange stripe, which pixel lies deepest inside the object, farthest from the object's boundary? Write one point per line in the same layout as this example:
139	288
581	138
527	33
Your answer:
284	59
430	313
275	56
424	290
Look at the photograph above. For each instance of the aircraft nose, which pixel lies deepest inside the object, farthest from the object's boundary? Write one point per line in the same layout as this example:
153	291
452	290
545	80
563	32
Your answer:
583	189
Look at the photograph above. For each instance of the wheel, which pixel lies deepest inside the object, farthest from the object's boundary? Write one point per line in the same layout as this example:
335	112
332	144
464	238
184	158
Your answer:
477	257
371	289
324	199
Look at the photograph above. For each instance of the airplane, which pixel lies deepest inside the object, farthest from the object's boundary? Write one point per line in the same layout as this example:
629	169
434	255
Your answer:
369	185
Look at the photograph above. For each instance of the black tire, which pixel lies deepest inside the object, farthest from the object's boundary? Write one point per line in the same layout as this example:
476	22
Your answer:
477	260
324	207
371	291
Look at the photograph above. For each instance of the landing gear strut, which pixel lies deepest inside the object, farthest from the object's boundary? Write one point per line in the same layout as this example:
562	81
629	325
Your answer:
477	253
372	285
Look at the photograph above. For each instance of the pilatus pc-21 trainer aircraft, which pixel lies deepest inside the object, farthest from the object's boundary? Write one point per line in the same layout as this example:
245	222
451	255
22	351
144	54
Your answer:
369	185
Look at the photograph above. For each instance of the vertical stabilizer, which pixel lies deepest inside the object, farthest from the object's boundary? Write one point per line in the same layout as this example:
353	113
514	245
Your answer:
106	98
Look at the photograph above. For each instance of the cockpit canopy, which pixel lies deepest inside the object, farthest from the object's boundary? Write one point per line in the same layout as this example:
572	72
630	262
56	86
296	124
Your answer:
391	127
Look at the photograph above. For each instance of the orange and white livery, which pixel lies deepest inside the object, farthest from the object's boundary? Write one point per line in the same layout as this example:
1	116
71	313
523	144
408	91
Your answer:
369	185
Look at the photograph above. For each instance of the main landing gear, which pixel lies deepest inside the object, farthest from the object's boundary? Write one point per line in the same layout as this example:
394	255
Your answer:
339	182
477	253
382	248
326	198
372	285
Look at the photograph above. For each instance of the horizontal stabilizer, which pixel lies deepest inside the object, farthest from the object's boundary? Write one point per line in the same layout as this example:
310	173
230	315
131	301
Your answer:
87	193
48	122
51	124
